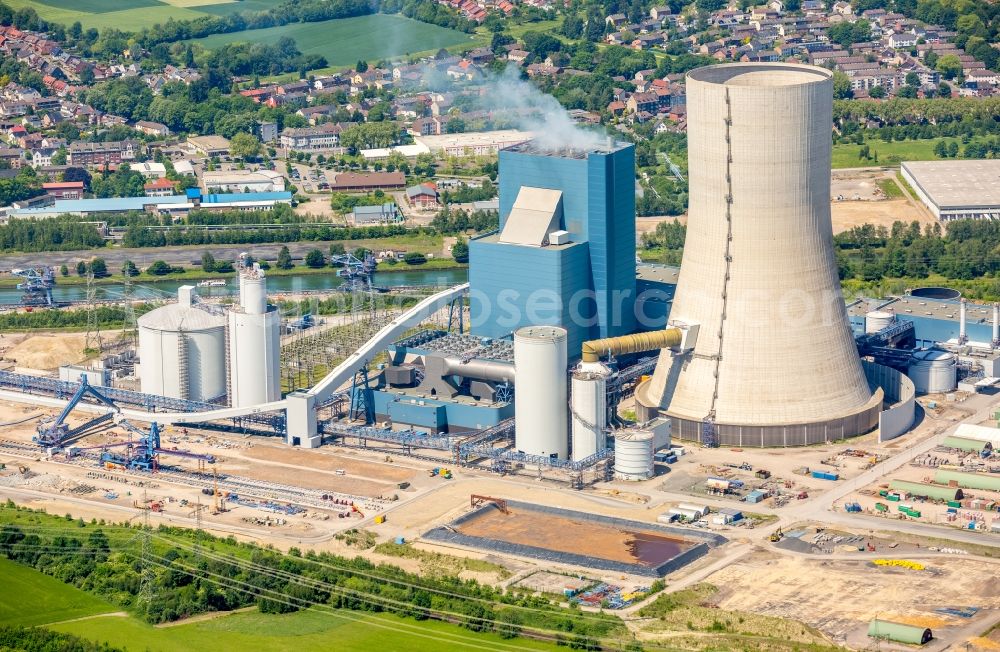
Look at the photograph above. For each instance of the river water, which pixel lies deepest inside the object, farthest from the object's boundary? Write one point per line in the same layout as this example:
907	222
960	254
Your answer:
276	284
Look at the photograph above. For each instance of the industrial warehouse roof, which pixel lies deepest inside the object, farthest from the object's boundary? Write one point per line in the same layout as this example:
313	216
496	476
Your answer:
958	184
124	204
980	433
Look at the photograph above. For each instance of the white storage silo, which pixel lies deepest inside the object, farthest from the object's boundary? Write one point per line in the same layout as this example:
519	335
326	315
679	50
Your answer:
589	414
540	391
933	371
634	455
876	320
182	350
254	344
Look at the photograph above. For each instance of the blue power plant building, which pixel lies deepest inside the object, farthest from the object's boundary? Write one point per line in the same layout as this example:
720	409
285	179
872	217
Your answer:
565	251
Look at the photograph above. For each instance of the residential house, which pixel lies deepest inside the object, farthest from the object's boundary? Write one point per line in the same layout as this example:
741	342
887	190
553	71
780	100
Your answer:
322	137
152	128
162	187
110	153
64	189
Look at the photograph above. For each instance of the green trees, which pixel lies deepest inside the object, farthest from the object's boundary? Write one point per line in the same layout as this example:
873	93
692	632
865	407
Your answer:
129	269
460	251
315	259
842	86
848	34
81	268
98	267
414	258
159	268
284	259
950	66
244	146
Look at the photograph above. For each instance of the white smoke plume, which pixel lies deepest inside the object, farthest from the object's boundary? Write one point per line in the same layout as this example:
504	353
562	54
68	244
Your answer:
509	96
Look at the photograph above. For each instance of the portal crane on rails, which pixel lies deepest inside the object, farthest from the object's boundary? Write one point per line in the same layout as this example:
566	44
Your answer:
57	433
36	285
144	455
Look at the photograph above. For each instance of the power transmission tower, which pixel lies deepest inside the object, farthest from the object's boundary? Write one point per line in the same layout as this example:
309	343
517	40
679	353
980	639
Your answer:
130	329
146	570
93	341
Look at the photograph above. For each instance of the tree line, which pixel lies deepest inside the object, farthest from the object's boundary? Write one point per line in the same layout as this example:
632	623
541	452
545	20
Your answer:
107	560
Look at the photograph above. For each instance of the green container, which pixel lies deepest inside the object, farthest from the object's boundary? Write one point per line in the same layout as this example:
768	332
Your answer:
884	493
954	503
881	507
914	513
893	499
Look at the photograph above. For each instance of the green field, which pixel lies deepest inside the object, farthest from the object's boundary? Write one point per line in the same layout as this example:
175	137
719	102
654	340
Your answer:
31	598
346	40
302	632
133	14
846	155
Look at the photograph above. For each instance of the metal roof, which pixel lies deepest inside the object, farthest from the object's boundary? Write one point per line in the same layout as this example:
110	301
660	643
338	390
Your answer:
536	212
176	317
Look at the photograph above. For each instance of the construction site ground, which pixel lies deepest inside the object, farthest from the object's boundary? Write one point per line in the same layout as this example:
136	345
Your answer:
841	596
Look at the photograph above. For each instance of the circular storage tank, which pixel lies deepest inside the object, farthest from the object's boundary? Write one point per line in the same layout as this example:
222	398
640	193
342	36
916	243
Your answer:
939	293
182	351
634	455
877	320
933	371
540	399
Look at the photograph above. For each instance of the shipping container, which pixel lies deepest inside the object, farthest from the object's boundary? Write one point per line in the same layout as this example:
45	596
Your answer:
825	475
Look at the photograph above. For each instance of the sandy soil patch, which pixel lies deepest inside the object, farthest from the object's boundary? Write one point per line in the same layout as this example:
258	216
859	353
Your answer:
848	214
325	462
48	351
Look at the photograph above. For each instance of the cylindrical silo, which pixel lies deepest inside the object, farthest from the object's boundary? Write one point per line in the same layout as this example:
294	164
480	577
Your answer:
775	361
876	320
540	391
254	344
634	455
182	350
933	371
589	414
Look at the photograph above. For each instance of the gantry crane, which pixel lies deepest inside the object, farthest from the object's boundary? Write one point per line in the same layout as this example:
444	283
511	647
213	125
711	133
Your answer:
36	285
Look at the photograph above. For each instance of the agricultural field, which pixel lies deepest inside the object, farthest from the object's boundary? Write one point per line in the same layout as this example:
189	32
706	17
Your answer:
344	41
31	598
134	14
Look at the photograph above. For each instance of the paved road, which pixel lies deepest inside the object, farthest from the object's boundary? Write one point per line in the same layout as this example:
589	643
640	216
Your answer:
185	255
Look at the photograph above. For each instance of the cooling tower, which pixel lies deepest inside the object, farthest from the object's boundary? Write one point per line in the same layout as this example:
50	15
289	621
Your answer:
775	361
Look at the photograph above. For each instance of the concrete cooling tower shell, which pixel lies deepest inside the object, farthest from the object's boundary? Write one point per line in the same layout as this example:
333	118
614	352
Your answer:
775	361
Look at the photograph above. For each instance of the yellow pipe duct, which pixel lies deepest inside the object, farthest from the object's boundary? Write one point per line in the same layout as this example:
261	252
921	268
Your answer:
594	349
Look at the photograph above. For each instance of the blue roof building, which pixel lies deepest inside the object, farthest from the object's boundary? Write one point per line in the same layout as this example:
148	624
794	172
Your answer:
565	252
